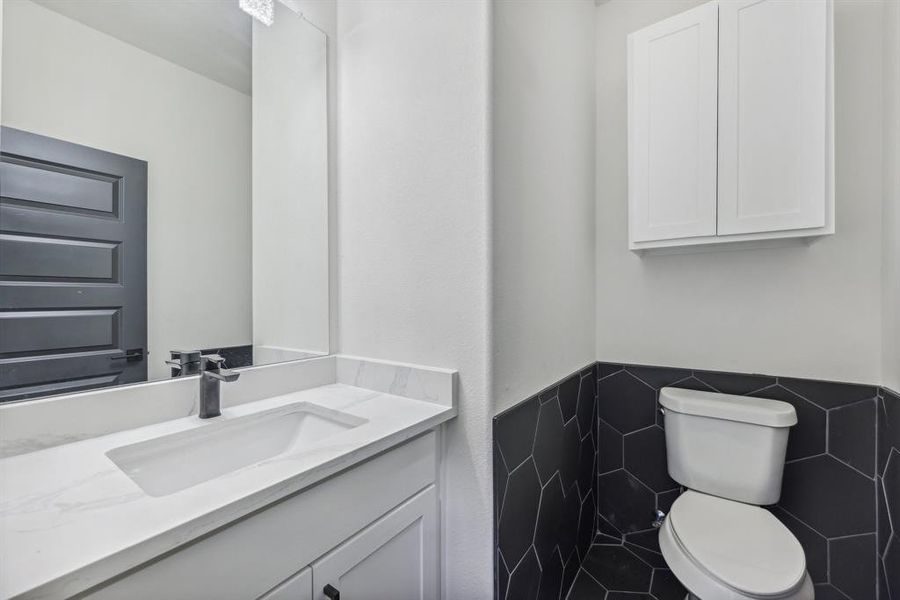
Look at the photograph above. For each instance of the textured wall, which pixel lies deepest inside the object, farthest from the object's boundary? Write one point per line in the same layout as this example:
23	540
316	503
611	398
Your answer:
414	230
543	194
890	376
545	506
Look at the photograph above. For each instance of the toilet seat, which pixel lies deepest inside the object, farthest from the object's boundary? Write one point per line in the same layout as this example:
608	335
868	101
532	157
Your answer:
722	549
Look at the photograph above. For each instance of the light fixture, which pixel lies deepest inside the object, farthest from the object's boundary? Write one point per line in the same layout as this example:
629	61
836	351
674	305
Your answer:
261	10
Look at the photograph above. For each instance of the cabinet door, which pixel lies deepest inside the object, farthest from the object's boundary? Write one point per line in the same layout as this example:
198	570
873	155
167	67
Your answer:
394	558
774	152
298	587
672	127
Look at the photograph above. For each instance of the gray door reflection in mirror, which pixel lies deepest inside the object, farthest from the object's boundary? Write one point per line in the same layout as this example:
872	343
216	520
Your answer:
73	267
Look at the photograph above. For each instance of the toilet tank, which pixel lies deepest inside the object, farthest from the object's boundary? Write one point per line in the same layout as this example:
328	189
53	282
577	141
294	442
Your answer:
727	446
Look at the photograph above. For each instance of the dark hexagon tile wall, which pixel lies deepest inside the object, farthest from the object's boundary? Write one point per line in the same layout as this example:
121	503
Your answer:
572	535
888	489
635	407
808	436
545	465
632	482
829	491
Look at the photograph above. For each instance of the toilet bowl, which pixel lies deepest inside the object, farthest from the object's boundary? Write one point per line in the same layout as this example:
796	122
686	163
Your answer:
728	451
726	550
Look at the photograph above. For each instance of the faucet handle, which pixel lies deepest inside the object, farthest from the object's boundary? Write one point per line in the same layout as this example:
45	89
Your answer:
211	361
211	365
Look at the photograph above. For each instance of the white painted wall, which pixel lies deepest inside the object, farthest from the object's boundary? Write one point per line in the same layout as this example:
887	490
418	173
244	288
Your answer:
891	219
290	188
543	194
320	13
323	14
414	240
809	312
193	132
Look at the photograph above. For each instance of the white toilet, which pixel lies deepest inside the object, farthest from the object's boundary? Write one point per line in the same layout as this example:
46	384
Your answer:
729	452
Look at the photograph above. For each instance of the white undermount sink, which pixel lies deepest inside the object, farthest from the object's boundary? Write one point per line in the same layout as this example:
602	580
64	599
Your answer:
174	462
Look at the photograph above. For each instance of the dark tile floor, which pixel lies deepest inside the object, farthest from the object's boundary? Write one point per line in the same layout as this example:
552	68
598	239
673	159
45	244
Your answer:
629	570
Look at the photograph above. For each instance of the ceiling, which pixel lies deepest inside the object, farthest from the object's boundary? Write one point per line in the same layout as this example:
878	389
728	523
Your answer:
209	37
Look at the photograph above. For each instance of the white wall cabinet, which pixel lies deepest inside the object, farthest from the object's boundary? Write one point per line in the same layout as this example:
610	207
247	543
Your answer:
672	171
730	124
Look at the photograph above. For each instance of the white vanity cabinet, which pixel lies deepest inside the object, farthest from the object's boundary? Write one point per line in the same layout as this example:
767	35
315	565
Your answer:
371	532
394	558
730	124
298	587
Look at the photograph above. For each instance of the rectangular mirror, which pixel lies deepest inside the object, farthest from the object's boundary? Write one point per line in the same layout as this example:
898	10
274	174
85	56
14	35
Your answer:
163	189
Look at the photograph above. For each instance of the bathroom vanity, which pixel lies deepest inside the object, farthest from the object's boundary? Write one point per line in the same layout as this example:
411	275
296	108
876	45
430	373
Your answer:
319	477
164	229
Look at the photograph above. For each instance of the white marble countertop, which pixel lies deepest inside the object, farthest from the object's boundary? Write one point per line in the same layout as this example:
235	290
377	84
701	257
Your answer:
70	519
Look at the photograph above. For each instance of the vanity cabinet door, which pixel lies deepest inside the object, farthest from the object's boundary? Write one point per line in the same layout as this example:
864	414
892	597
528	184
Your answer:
298	587
394	558
672	127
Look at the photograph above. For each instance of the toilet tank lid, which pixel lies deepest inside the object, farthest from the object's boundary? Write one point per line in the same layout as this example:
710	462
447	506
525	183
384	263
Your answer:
758	411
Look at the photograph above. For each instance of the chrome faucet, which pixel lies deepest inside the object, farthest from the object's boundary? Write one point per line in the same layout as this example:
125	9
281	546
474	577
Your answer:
211	375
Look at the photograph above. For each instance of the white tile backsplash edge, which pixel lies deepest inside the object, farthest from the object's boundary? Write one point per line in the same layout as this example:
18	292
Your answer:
409	381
